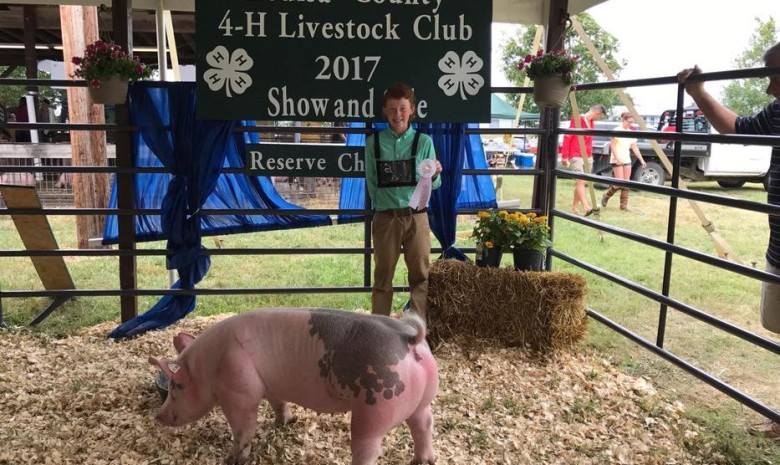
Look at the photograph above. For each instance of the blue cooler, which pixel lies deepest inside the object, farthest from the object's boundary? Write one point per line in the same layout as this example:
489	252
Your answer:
524	161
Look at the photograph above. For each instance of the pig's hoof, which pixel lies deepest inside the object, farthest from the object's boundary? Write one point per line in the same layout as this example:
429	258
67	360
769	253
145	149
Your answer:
286	421
236	461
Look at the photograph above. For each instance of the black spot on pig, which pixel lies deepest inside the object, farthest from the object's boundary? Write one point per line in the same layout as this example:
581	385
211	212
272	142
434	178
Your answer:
360	351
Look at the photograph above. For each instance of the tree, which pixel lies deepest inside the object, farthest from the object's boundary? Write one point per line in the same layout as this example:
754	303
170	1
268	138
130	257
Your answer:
747	96
515	49
9	95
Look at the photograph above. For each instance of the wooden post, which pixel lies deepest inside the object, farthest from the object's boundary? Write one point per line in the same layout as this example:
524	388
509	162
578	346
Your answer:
122	17
30	54
80	27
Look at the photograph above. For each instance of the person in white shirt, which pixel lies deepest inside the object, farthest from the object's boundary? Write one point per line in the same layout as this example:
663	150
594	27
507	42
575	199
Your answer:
620	149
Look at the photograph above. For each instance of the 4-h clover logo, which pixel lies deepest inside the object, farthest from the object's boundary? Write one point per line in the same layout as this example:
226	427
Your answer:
461	74
227	70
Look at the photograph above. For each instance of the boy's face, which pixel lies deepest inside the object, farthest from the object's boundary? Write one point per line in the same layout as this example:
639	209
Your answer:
398	113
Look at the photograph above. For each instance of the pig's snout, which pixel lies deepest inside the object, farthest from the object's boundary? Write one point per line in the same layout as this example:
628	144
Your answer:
166	418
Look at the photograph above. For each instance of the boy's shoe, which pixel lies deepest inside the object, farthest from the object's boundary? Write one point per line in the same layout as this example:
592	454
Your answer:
767	429
604	201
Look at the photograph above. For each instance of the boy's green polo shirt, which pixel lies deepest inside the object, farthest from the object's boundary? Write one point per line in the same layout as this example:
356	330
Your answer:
395	147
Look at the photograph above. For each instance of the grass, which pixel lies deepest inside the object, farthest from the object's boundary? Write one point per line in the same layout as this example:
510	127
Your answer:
727	296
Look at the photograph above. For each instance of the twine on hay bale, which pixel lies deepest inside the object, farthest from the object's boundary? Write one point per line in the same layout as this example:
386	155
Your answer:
543	310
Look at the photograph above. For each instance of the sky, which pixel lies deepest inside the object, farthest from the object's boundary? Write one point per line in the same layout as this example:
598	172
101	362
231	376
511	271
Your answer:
710	33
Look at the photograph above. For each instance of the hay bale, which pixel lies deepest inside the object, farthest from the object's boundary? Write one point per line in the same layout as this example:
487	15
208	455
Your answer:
541	310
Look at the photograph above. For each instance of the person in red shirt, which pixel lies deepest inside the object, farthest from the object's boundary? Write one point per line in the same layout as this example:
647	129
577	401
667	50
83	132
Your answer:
571	154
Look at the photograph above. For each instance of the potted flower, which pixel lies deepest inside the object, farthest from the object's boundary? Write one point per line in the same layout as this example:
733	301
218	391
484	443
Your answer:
491	235
108	69
529	236
553	75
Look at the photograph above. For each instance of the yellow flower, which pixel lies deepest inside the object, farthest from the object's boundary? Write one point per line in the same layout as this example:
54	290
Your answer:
483	215
489	245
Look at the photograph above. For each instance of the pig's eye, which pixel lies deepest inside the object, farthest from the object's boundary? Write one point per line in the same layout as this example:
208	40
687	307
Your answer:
177	385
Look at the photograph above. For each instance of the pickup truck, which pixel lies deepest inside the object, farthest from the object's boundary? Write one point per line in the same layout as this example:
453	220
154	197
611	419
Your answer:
729	165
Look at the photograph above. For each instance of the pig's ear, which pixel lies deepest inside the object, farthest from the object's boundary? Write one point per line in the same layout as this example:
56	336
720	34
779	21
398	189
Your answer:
182	340
165	365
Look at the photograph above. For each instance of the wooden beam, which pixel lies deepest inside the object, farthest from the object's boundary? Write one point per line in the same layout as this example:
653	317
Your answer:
30	57
8	72
48	19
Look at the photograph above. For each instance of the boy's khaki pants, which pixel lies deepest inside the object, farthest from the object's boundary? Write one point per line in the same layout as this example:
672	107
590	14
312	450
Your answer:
392	229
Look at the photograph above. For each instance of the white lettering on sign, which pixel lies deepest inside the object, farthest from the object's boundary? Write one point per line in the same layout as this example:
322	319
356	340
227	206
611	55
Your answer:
343	68
428	28
349	162
302	29
281	104
259	162
407	2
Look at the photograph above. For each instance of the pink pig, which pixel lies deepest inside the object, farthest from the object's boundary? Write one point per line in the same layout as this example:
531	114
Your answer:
330	361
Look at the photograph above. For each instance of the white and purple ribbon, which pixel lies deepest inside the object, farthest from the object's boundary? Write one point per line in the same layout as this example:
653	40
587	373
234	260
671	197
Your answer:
422	192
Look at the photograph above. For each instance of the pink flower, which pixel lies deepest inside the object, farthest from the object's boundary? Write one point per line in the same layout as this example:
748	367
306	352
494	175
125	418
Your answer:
77	60
521	65
528	58
540	52
95	83
139	69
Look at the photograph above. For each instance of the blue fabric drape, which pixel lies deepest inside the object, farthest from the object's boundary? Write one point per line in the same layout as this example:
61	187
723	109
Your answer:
194	151
167	128
477	191
449	141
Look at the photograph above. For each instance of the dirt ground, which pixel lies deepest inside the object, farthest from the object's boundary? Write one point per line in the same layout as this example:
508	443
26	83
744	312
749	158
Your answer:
85	399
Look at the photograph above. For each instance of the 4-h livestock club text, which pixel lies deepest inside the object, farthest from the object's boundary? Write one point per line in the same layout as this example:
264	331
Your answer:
330	60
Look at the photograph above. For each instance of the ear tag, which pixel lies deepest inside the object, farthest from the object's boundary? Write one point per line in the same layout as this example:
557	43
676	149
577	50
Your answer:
173	367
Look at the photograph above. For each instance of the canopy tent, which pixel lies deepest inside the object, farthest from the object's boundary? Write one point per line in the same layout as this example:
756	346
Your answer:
500	109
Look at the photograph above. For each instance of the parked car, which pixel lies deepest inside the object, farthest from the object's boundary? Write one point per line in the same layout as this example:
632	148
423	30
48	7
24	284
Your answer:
730	165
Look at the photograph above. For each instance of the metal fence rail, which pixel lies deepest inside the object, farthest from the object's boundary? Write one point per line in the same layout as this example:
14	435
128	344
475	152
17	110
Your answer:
49	171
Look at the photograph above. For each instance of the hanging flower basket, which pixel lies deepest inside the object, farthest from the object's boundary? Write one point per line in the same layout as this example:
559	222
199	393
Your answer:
108	69
553	75
112	91
550	91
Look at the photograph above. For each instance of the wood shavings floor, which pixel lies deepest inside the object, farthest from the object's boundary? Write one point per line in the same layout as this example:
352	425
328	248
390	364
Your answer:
87	400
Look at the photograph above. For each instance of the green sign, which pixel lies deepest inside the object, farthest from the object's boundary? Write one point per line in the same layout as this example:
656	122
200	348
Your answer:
331	60
306	160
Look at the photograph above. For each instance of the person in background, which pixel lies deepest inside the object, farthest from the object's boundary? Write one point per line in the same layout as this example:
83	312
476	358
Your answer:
394	159
45	115
620	149
22	117
765	122
571	155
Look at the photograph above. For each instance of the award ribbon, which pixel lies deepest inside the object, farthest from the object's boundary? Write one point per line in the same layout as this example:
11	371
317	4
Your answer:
422	192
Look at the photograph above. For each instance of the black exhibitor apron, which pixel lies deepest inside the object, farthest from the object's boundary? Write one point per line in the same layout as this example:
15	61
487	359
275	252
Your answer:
395	173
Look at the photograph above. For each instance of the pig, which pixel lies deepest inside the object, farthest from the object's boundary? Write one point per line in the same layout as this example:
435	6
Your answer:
377	367
17	179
